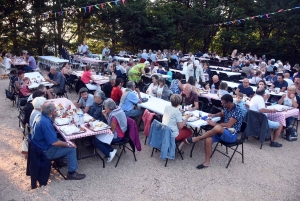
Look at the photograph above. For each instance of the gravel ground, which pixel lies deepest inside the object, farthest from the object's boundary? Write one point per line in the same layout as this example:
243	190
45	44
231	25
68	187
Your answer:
267	174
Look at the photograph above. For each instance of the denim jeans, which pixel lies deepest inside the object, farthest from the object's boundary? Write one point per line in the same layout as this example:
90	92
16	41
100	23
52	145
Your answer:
57	152
289	121
27	69
106	148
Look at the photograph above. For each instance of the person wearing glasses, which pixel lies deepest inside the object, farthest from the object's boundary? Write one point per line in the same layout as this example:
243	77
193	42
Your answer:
245	88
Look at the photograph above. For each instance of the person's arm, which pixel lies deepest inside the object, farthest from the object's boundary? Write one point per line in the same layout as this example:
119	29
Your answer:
149	88
78	104
237	90
283	89
294	101
60	143
272	86
86	109
196	107
280	101
139	95
181	124
180	86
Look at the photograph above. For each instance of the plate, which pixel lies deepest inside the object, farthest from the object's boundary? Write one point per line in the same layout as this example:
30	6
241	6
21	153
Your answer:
193	118
88	118
97	126
71	129
62	121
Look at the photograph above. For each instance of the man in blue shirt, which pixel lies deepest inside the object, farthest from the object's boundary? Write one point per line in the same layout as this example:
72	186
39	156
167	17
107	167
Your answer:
44	137
199	54
227	131
271	77
145	55
97	107
245	88
58	81
280	83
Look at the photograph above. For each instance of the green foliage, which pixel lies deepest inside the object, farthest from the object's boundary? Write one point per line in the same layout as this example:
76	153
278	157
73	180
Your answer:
142	24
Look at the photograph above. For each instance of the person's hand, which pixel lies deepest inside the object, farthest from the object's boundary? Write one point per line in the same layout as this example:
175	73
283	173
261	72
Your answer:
210	115
47	79
210	122
284	95
190	108
274	110
104	112
137	90
188	116
154	91
292	96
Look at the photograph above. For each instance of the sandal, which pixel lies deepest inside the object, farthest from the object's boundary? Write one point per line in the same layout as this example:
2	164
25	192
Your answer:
188	140
201	166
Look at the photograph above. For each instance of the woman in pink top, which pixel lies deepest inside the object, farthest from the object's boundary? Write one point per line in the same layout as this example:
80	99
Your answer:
87	75
25	91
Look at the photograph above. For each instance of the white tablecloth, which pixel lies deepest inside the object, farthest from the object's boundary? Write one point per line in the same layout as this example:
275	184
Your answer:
53	59
228	73
36	79
235	85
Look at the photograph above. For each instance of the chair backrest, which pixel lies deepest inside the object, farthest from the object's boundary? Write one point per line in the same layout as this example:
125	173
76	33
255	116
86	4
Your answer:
216	103
242	131
214	110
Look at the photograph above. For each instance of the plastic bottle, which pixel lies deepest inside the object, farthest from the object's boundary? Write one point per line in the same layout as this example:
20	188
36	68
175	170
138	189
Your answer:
81	118
212	89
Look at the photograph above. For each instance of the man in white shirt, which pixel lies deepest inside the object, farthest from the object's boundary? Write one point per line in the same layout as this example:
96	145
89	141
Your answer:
257	104
287	78
79	47
84	48
7	62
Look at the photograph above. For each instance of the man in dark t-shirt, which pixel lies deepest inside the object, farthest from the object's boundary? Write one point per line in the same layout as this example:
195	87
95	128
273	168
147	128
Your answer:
245	88
215	81
189	97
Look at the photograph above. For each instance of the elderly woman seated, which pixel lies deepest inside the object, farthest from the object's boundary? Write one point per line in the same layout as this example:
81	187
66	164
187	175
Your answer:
290	100
37	108
173	119
117	120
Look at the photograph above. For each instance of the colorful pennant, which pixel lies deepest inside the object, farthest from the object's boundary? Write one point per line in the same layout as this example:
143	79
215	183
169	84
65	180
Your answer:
253	17
85	8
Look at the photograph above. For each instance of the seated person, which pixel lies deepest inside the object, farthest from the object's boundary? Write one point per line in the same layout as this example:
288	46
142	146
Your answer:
173	119
222	89
190	98
160	70
41	88
85	101
271	77
87	75
115	72
45	137
238	101
245	88
168	72
58	81
37	108
116	92
18	81
192	81
280	83
258	77
152	89
214	82
48	73
25	91
66	70
147	72
163	91
257	104
97	106
129	99
232	119
287	78
290	100
28	108
108	86
117	120
247	69
176	86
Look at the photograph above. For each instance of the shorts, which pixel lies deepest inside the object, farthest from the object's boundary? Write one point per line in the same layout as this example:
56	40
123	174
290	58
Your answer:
226	137
273	124
134	113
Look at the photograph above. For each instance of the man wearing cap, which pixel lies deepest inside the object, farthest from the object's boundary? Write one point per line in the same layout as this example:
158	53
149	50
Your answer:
86	100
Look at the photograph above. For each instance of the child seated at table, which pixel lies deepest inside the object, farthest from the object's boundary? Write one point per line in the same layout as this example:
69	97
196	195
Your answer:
160	70
25	91
240	103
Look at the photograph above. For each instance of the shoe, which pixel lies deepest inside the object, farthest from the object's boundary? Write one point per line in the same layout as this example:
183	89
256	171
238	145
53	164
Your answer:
112	155
75	176
275	144
189	140
201	166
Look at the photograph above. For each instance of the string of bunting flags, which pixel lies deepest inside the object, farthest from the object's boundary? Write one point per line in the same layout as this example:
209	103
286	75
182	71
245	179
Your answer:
239	21
81	9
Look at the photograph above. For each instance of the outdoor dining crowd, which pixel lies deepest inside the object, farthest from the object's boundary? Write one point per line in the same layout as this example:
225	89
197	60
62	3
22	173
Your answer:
125	84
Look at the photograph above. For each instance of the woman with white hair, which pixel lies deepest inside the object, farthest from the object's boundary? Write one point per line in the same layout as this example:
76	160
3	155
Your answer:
37	108
117	120
290	100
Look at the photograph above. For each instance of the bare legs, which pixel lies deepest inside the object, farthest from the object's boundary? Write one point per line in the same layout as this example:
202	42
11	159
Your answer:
277	133
49	93
216	130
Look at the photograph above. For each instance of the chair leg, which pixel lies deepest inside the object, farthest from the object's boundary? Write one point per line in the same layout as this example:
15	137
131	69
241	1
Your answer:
146	139
232	156
179	151
166	162
191	153
242	152
214	149
119	157
152	152
261	146
226	150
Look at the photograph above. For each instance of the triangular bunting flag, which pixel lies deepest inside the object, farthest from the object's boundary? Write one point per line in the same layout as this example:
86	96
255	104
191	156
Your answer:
109	4
116	2
97	7
123	1
102	5
84	9
90	8
79	9
280	10
267	15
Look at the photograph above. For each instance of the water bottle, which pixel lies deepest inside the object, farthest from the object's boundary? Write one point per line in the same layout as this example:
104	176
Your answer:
212	89
81	118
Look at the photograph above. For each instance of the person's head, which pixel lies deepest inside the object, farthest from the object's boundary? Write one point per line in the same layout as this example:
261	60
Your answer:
280	77
147	70
26	80
261	84
53	70
167	68
260	91
175	100
8	55
272	74
187	89
227	101
88	68
130	85
109	105
247	64
142	60
24	53
160	67
83	43
83	92
119	82
215	79
239	97
37	102
66	65
112	67
287	75
291	89
272	62
21	74
38	93
178	76
223	86
192	80
112	80
155	79
99	96
161	81
49	109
